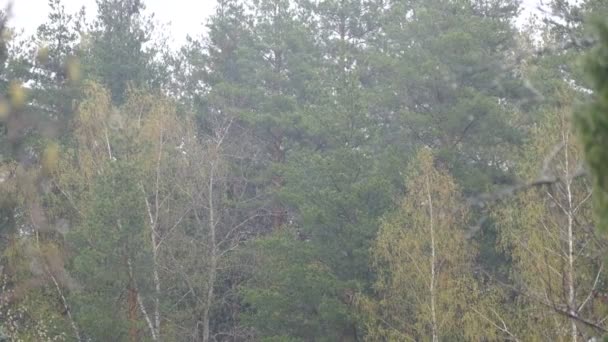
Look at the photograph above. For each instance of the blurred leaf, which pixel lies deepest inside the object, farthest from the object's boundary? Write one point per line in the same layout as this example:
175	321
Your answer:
50	158
17	94
43	54
73	69
4	109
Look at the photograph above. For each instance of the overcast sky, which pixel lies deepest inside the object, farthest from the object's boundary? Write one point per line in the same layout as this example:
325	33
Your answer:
186	16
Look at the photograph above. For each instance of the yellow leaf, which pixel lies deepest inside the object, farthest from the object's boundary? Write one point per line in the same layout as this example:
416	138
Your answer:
17	94
7	35
43	54
5	109
73	69
50	158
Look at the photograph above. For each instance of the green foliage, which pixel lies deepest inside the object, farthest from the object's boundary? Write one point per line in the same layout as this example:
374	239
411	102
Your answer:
425	286
29	308
446	82
113	231
293	295
593	123
119	51
548	233
252	186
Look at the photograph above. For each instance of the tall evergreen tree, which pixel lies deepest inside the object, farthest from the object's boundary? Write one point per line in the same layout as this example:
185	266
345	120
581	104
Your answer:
120	50
333	182
54	57
445	80
245	189
592	123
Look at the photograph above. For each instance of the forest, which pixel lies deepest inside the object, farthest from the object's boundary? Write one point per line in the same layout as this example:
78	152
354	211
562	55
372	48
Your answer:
306	170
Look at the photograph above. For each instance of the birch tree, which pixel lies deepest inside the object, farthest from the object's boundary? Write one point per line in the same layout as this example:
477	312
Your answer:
215	180
549	233
122	182
425	287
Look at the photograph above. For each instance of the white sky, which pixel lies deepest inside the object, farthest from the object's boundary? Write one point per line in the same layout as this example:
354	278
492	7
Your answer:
185	16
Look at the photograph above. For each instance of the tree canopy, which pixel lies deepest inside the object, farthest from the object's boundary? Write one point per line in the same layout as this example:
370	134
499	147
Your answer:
327	170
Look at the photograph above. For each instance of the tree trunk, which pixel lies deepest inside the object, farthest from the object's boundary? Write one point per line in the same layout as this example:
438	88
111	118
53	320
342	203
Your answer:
212	258
571	255
433	261
278	211
132	313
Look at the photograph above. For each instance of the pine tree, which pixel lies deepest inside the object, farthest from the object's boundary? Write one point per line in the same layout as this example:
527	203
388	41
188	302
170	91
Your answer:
119	176
592	124
120	50
333	182
444	80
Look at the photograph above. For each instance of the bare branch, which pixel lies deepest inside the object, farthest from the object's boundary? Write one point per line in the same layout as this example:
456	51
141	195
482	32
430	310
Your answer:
502	328
591	292
64	302
140	302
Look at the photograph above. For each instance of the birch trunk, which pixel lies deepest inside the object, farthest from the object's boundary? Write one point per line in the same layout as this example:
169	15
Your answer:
212	257
571	254
433	257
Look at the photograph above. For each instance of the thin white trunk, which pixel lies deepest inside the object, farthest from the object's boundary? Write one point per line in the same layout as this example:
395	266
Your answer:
571	292
64	301
214	253
66	307
212	257
433	261
156	279
105	131
140	302
156	288
570	273
155	234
